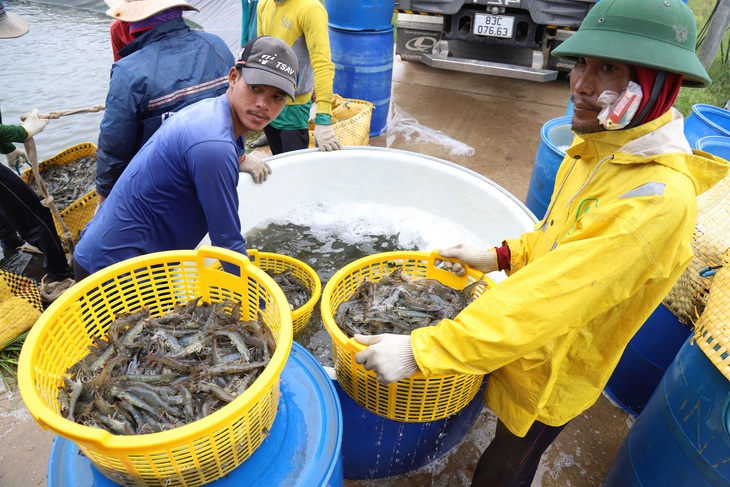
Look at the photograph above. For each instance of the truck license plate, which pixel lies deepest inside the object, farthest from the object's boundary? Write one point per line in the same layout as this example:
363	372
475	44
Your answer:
493	25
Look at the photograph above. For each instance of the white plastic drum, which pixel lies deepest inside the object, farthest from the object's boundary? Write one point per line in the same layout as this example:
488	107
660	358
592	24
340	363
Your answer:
398	178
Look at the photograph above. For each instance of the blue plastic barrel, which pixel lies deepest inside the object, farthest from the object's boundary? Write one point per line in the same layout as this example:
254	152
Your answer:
646	359
364	70
375	447
716	145
681	438
706	120
303	448
555	135
361	14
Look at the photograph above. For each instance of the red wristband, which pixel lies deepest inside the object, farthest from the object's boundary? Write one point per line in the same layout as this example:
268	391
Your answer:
503	257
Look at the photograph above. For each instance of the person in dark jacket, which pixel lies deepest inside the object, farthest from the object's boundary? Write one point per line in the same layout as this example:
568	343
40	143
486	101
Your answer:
167	67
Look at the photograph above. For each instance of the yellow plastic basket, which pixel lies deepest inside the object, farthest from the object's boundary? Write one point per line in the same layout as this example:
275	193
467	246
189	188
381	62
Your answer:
414	399
190	455
351	121
280	263
80	212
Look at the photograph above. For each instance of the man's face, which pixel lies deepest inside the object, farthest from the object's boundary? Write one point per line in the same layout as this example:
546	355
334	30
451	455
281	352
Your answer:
589	78
252	106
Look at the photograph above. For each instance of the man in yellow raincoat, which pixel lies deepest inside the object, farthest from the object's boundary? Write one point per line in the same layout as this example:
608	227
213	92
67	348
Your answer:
614	240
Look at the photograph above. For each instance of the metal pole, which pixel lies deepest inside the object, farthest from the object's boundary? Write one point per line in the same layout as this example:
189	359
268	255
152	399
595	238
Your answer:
715	33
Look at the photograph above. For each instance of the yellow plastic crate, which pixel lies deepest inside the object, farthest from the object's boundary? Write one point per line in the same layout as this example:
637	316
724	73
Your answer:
350	119
80	212
416	398
280	263
190	455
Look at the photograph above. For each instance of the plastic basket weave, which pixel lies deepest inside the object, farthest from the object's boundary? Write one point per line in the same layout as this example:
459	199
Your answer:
80	212
416	398
712	331
190	455
351	121
280	263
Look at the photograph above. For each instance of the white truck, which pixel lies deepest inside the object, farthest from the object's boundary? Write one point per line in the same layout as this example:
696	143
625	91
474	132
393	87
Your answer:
509	38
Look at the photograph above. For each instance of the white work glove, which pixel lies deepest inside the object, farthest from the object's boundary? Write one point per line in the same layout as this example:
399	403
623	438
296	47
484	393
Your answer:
258	169
325	138
388	355
16	158
32	124
484	260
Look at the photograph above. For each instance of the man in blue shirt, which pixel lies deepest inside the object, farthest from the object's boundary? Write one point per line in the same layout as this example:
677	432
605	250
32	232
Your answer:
182	183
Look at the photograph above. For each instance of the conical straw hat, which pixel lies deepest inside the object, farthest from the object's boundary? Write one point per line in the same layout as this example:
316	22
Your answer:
11	24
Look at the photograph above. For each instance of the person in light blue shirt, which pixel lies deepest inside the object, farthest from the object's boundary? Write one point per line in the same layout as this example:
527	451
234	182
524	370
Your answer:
182	182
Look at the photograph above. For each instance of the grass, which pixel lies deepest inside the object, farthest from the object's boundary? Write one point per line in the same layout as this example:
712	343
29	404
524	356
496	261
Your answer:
718	93
9	359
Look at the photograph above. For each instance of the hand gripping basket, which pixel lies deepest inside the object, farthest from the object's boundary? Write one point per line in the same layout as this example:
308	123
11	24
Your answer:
414	399
190	455
78	213
280	263
351	121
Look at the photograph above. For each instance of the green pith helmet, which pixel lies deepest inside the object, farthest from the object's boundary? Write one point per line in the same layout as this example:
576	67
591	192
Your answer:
659	34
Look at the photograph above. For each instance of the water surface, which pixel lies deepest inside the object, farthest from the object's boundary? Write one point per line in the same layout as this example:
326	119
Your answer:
63	62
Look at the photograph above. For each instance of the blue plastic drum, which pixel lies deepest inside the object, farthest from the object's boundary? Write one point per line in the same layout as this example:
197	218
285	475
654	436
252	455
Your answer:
645	360
303	449
555	135
360	15
364	70
706	120
681	438
374	447
716	145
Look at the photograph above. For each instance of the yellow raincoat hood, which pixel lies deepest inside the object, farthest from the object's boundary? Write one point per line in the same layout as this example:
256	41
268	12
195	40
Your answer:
616	237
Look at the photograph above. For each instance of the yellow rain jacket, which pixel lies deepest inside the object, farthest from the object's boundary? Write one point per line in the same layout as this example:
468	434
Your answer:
615	239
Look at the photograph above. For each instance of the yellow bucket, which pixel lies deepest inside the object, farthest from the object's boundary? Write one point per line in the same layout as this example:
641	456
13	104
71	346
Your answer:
190	455
280	263
416	398
80	212
350	120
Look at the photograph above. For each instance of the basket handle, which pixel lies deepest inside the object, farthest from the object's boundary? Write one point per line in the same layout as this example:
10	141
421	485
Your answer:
253	256
223	255
433	256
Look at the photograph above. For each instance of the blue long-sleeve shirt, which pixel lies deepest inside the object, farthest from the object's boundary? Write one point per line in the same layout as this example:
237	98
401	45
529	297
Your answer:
180	186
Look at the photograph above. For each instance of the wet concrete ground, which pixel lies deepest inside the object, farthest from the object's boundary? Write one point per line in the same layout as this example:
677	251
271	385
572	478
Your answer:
501	119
